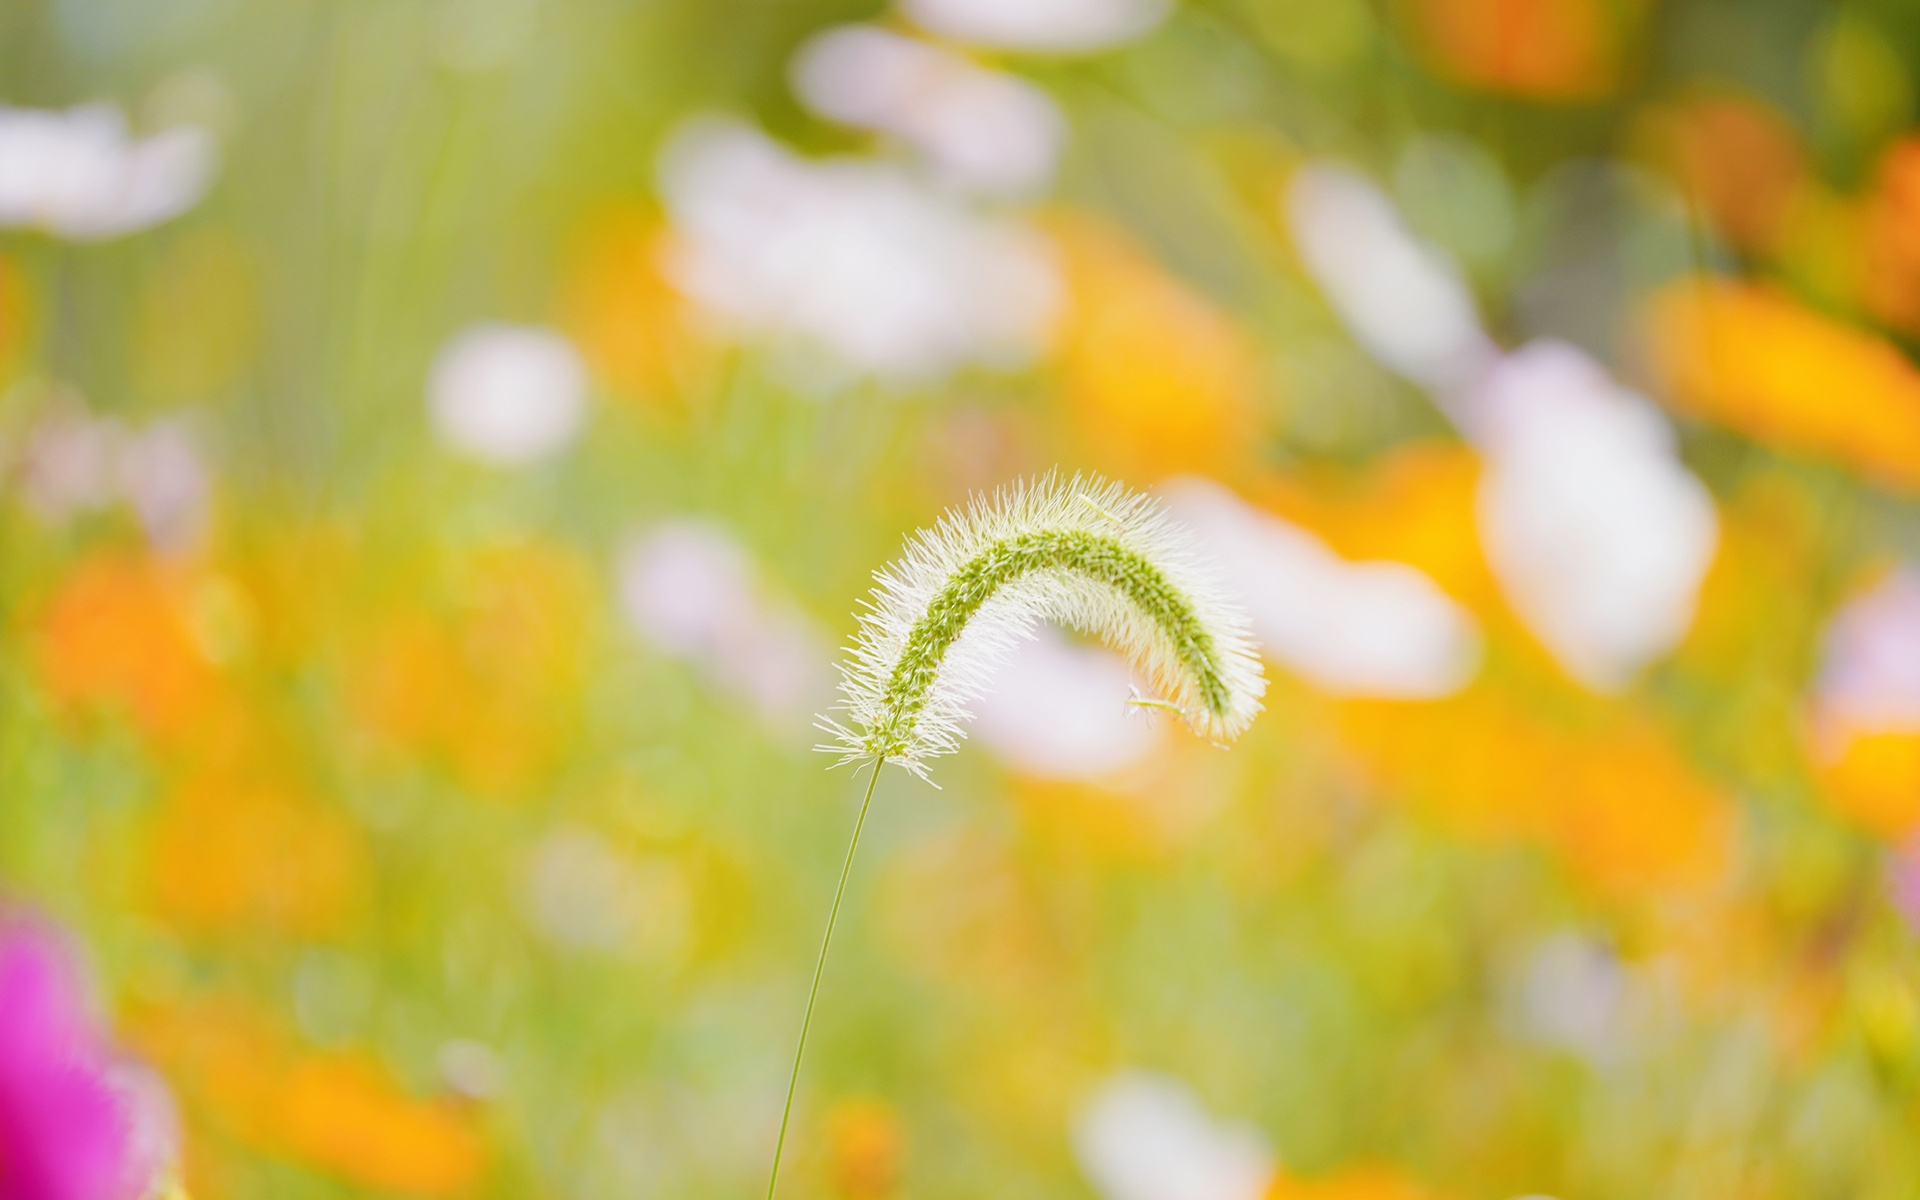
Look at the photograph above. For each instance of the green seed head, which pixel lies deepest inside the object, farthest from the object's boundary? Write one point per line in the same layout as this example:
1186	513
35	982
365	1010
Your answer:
1086	554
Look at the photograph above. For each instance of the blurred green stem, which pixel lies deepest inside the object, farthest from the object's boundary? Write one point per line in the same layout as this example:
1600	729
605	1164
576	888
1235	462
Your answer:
819	967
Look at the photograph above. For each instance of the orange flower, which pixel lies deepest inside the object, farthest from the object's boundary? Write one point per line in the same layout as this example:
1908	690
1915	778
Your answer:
864	1147
345	1114
634	328
489	689
1737	159
1892	232
1145	814
1094	821
1541	49
118	634
1353	1183
1415	505
1638	820
1476	763
1620	808
229	854
1755	360
1156	377
226	1055
342	1113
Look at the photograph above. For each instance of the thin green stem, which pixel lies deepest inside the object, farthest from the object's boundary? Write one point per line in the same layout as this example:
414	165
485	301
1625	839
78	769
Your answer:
806	1022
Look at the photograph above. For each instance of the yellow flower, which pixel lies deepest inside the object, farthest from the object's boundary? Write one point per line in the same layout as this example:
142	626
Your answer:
636	331
1351	1183
231	854
1415	505
1157	379
1476	763
960	910
1874	780
16	317
1638	820
1755	360
345	1114
488	689
865	1145
225	1054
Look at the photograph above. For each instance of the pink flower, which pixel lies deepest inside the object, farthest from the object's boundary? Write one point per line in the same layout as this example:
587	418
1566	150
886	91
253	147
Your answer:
1903	883
76	1121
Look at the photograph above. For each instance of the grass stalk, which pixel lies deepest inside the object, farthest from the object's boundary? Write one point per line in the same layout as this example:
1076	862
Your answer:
819	968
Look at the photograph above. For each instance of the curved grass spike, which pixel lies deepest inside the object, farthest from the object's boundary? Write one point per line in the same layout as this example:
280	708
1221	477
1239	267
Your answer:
1102	559
1087	554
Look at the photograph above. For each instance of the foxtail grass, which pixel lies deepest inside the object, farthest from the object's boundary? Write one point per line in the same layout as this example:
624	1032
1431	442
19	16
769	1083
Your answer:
1086	554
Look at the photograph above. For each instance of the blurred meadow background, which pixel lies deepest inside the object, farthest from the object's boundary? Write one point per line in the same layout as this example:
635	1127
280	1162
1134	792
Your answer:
443	444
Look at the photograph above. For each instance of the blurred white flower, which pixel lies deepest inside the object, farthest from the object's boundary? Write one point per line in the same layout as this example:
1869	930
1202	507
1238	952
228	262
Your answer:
76	174
507	394
1057	26
980	130
1143	1136
584	894
471	1068
1598	534
153	1127
1362	629
1869	679
850	256
162	477
695	593
1571	994
1403	299
68	465
1057	710
76	463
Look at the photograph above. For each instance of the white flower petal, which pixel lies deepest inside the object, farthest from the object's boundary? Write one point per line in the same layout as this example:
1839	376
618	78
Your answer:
163	478
75	173
1403	299
507	394
1057	26
1870	665
852	257
1056	710
1597	532
695	593
980	130
1359	629
1143	1136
